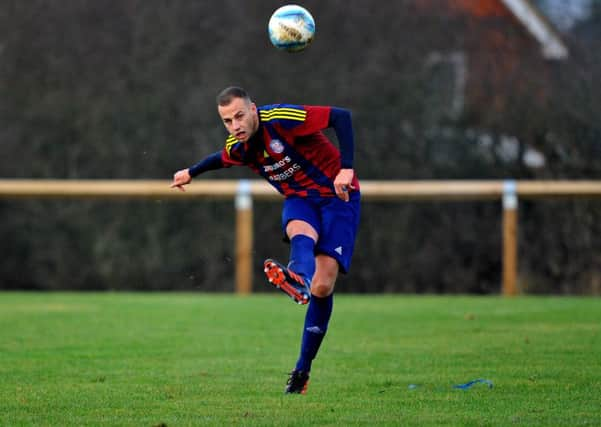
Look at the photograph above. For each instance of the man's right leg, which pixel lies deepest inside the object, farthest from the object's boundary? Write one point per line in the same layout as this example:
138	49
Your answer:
295	280
302	237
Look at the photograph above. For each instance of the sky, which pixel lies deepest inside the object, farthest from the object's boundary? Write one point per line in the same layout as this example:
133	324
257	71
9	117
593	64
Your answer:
565	13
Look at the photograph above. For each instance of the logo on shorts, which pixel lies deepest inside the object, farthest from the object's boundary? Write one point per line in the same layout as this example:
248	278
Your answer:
338	250
276	146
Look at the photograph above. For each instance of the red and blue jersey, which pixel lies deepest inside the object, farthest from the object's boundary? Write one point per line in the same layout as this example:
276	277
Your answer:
290	150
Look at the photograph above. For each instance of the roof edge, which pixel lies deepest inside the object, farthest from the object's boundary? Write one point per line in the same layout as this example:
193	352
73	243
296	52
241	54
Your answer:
552	46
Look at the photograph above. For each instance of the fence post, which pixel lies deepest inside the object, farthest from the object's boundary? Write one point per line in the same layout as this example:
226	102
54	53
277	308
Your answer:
510	207
244	238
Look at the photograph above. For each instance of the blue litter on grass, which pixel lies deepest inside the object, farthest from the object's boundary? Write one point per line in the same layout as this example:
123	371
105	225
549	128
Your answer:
465	386
468	385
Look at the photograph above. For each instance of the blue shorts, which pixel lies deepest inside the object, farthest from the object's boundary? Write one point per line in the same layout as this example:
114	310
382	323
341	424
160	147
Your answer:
335	221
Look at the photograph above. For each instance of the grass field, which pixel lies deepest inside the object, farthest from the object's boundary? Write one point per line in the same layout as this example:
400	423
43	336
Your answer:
196	359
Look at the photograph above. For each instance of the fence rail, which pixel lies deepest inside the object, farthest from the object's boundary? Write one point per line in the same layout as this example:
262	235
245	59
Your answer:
258	189
245	191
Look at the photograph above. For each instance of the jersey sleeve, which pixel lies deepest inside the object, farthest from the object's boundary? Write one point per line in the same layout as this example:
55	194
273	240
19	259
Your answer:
233	153
298	120
316	119
211	162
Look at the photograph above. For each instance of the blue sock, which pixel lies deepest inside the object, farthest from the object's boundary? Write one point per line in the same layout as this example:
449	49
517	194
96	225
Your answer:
316	324
302	257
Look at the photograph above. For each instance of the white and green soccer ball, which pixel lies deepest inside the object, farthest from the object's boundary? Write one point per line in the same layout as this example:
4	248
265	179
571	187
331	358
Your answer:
291	28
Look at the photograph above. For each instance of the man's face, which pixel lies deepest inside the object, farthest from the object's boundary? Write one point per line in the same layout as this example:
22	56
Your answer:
240	118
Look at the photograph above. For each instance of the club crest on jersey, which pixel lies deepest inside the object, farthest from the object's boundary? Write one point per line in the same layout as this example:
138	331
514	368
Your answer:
276	146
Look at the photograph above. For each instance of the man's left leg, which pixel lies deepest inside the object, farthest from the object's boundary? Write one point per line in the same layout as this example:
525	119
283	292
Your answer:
319	311
335	227
316	321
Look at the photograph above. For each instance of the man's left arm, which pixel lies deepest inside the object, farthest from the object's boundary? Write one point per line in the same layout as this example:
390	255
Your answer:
340	120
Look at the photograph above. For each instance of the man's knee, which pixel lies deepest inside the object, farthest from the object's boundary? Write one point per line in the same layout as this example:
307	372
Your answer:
321	289
325	276
297	226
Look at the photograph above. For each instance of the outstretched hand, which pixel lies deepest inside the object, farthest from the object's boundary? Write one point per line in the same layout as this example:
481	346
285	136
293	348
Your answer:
343	183
181	178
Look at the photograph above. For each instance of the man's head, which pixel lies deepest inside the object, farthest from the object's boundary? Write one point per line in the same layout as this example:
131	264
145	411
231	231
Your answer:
238	112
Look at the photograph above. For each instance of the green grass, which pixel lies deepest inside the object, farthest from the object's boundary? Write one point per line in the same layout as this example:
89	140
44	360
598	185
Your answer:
195	359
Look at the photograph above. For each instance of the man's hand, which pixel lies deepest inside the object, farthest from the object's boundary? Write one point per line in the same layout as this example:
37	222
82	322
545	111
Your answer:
343	183
181	178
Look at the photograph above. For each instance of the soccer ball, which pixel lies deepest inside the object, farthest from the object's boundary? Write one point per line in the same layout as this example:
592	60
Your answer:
291	28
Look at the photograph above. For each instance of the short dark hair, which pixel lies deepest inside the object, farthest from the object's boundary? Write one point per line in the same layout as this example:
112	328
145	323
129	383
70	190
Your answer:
229	93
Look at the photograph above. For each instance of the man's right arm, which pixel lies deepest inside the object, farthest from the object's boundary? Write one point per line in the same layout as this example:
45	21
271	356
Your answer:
211	162
184	176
